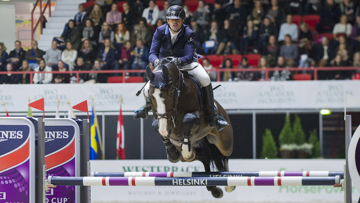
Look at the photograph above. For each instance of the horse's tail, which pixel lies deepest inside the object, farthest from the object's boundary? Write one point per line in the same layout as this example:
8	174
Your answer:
215	156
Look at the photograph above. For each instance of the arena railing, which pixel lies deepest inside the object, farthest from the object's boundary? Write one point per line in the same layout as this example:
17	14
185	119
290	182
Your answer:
40	20
315	72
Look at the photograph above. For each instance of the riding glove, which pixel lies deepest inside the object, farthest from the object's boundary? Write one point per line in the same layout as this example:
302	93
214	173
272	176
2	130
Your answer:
156	63
176	61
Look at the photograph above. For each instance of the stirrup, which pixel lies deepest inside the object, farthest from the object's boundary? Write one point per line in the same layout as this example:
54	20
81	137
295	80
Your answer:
141	113
220	122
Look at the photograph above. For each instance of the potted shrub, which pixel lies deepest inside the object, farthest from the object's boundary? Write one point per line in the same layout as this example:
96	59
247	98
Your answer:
269	149
313	140
286	140
304	150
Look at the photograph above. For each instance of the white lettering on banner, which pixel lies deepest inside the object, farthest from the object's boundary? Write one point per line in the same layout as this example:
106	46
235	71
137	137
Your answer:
56	134
11	134
161	169
57	200
334	94
276	94
180	182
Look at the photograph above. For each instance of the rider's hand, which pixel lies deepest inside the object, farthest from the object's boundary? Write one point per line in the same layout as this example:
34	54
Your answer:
176	61
156	63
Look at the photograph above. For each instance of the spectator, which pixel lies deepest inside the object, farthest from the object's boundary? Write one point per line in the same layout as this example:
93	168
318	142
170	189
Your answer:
329	16
52	55
141	32
202	15
237	14
272	50
289	28
263	65
257	14
125	59
96	15
121	34
128	17
208	68
250	37
324	52
342	28
267	29
96	77
72	34
355	35
227	75
339	74
245	75
347	8
312	7
41	77
230	37
151	13
25	78
16	56
60	77
139	56
289	51
138	8
214	34
296	7
89	33
87	52
356	63
162	13
33	55
107	55
305	39
219	14
10	78
276	14
81	16
69	55
81	66
113	17
199	35
159	23
343	48
106	33
280	62
188	15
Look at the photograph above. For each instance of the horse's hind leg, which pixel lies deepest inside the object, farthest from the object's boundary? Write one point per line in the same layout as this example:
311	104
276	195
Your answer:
173	155
216	192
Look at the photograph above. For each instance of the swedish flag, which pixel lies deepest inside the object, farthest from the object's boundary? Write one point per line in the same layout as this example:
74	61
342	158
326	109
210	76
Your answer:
94	137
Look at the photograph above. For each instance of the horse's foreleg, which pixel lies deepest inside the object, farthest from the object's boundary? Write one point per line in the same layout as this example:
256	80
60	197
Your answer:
187	151
228	188
173	154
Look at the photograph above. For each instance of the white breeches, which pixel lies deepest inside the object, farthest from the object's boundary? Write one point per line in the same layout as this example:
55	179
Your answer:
198	72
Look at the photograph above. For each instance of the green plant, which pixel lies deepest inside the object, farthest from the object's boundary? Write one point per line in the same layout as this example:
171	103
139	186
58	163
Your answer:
286	134
313	140
298	132
269	149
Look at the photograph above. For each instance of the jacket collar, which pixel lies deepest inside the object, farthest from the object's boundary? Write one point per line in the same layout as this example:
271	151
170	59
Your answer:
167	30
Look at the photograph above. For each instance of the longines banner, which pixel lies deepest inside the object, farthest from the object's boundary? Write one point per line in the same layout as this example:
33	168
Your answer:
200	194
231	95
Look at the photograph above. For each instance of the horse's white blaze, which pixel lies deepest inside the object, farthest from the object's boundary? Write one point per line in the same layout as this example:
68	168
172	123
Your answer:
161	109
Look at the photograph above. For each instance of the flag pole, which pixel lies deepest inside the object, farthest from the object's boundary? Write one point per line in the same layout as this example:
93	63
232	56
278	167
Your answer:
72	111
57	108
98	130
29	107
4	107
121	100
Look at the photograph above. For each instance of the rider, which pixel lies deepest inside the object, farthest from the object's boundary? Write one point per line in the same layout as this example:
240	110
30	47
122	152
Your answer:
177	40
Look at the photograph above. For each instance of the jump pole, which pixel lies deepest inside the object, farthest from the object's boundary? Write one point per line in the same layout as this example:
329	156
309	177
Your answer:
222	174
194	181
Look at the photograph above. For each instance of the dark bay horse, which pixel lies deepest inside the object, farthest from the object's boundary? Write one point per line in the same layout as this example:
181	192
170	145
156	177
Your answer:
179	119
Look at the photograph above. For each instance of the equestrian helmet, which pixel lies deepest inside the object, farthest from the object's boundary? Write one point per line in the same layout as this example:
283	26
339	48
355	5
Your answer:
175	12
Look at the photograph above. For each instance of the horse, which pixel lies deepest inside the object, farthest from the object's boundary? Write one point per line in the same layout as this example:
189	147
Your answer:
178	116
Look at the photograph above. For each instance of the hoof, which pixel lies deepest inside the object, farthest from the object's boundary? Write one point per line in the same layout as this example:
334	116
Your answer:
174	160
229	188
217	193
191	157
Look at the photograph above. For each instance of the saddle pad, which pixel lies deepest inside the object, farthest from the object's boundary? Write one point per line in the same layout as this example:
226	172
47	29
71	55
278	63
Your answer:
198	89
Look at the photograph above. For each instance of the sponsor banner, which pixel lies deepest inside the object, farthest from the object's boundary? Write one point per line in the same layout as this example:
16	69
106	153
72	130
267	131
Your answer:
198	193
62	157
17	141
231	95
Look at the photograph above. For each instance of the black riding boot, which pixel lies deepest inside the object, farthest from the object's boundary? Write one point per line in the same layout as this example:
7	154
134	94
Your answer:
143	111
211	116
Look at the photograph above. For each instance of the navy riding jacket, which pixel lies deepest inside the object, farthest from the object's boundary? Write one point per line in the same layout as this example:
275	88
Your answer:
183	47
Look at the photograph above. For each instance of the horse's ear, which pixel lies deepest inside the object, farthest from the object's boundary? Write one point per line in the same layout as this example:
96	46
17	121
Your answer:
165	72
150	75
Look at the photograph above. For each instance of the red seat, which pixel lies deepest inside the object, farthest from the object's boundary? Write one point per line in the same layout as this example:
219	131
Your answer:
201	61
236	59
120	6
320	36
88	4
297	19
253	59
160	4
115	79
302	77
215	60
311	20
193	4
210	1
134	80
